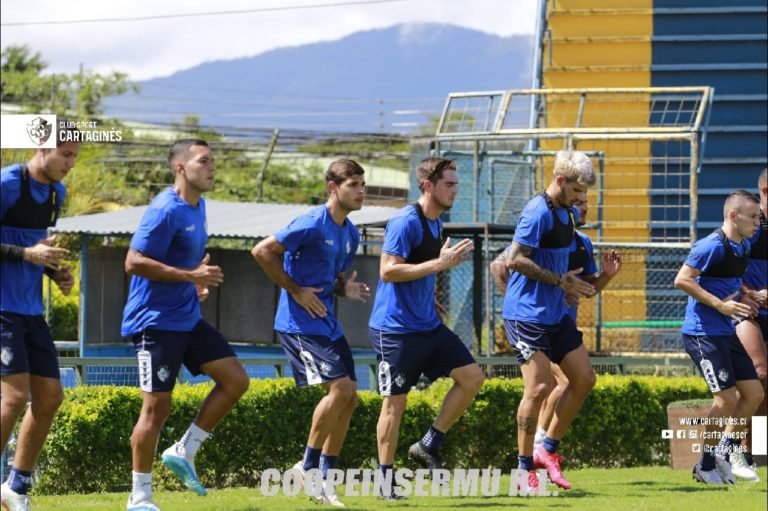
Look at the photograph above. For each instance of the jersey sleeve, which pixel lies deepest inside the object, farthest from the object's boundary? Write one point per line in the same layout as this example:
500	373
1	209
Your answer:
401	235
532	224
705	253
296	233
10	190
154	234
591	268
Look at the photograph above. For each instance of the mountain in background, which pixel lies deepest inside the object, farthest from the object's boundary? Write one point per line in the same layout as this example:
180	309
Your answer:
392	80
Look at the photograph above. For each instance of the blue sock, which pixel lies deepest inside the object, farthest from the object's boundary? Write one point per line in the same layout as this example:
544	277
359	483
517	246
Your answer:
725	446
20	481
327	462
525	462
384	470
312	457
707	461
432	440
550	445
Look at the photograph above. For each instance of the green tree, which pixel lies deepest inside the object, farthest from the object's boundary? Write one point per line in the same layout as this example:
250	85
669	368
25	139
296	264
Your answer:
25	83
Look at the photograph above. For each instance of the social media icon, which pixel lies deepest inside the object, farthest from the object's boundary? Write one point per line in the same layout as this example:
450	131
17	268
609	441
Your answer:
680	433
696	448
666	433
692	433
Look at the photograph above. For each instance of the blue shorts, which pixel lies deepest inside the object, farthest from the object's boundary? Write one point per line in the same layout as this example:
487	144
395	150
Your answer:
404	357
161	353
721	359
26	346
317	359
555	341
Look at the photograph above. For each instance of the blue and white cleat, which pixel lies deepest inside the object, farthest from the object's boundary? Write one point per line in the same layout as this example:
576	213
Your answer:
12	501
184	469
143	505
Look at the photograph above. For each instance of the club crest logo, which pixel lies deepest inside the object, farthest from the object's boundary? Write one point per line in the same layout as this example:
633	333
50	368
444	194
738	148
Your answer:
722	375
6	355
39	130
163	373
325	368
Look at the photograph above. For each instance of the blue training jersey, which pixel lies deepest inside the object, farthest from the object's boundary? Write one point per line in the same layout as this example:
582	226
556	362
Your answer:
404	307
527	299
757	269
22	287
589	269
701	319
317	249
173	232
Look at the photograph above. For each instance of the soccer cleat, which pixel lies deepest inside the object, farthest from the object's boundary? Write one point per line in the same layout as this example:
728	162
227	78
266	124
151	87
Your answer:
13	501
706	476
544	459
742	469
420	453
184	469
723	467
143	505
329	496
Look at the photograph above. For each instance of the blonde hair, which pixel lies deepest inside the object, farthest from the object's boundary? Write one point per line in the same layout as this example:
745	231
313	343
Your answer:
575	166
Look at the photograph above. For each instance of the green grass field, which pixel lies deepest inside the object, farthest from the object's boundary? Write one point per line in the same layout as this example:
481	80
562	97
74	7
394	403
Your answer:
635	489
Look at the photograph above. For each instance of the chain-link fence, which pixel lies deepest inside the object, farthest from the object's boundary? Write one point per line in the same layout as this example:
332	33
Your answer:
645	145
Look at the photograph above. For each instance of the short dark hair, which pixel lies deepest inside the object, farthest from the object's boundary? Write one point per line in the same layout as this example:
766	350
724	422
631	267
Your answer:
736	198
182	146
341	170
431	169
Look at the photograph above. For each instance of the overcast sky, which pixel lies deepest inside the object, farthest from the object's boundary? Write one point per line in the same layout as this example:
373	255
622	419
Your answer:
152	48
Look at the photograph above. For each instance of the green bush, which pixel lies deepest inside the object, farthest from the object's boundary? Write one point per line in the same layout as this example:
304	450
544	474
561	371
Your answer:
89	447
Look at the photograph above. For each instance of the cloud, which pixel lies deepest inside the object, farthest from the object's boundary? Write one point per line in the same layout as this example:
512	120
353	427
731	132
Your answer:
154	48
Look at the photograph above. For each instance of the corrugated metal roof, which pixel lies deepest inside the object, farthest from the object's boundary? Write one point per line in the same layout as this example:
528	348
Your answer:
225	219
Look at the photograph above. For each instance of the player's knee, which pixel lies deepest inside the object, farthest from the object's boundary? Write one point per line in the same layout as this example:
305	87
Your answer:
756	397
476	380
726	401
15	401
238	385
156	413
539	391
346	392
49	402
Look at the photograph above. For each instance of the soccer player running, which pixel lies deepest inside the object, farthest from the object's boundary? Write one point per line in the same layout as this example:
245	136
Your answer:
307	259
406	331
31	197
170	273
536	319
711	276
753	332
581	255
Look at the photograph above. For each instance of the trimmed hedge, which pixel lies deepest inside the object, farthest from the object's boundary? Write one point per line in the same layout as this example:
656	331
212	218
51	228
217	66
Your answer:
89	446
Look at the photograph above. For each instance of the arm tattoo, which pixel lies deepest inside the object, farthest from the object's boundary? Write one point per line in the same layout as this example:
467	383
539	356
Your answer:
526	424
11	252
500	273
525	266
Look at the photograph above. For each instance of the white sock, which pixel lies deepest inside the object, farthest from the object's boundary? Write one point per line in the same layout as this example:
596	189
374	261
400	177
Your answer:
541	434
142	487
190	442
